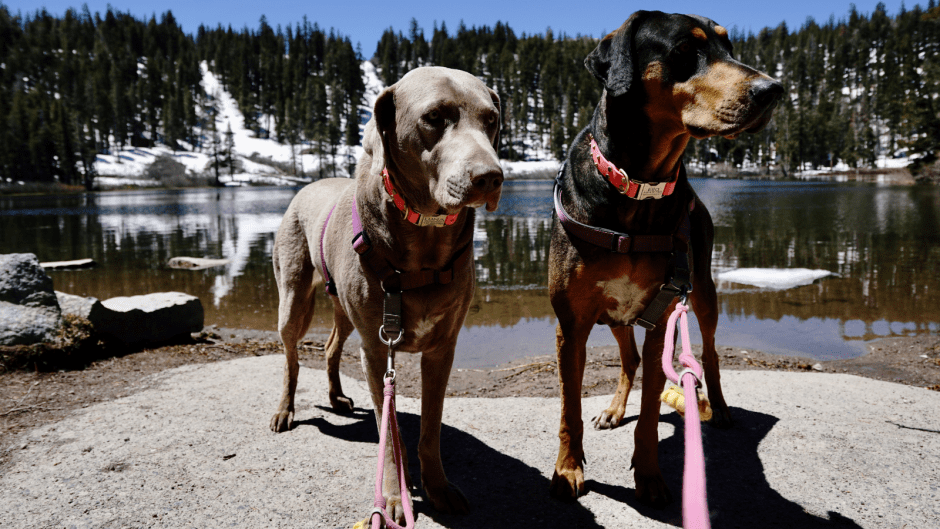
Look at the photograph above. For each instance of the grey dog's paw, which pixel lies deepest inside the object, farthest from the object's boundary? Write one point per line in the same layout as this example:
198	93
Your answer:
282	421
395	510
342	404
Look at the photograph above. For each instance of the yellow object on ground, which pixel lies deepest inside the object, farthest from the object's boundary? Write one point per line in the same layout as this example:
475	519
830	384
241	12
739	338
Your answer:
674	398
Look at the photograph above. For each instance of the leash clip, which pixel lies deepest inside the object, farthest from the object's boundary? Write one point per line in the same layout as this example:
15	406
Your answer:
390	342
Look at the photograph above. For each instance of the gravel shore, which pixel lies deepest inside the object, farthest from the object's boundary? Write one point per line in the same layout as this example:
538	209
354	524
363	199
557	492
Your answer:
177	436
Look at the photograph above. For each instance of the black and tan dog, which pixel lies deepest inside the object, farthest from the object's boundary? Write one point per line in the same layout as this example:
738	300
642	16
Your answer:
429	159
667	78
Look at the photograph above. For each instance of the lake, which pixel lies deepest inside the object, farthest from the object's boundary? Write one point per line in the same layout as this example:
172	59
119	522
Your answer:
881	241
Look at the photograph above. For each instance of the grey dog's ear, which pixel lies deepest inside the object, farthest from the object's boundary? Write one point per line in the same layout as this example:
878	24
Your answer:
499	122
375	136
612	60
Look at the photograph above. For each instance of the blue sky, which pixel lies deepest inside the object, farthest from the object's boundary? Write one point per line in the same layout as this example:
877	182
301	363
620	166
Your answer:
364	21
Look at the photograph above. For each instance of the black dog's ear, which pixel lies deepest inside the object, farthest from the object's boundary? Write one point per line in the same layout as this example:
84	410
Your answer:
375	136
499	120
612	60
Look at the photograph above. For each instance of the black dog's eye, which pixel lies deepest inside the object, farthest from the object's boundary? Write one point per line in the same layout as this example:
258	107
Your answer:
684	60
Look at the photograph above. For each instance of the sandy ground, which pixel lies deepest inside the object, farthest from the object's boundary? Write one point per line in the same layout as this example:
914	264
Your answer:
126	442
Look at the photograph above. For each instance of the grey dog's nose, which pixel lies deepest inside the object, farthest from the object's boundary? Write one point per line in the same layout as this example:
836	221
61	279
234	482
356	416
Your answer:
766	92
487	179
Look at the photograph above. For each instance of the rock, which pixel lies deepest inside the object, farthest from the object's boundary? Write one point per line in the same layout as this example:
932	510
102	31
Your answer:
196	263
817	367
78	263
148	318
29	310
24	282
77	305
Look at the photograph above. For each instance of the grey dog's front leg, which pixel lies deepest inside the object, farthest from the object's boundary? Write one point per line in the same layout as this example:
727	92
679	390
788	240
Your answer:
435	371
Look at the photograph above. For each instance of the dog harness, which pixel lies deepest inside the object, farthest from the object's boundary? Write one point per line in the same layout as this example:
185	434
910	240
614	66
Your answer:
394	281
380	267
330	285
631	188
679	278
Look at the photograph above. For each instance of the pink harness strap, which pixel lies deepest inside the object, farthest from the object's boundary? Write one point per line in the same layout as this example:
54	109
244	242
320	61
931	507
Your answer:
694	498
330	284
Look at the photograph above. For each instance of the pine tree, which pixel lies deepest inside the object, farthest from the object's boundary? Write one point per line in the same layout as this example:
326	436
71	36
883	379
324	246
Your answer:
64	144
230	149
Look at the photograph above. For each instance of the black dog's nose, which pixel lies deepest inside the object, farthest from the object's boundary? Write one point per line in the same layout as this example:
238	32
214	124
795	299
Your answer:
766	92
488	180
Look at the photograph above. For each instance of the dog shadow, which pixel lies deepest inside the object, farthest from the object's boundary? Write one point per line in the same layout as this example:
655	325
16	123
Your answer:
739	494
503	491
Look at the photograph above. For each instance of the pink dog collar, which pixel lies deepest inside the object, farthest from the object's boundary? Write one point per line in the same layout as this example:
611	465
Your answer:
631	188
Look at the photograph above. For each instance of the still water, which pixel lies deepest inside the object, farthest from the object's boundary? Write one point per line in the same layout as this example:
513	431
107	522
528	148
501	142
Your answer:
882	242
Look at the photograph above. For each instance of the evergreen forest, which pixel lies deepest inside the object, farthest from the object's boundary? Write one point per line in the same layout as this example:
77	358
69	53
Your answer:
860	87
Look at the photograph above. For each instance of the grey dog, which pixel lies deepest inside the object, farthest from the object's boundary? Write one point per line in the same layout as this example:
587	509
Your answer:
435	132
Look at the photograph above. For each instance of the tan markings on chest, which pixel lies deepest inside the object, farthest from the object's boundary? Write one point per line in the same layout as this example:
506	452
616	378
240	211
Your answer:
425	326
624	299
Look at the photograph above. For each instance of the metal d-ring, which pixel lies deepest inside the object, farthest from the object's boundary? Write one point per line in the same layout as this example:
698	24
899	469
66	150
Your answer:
383	337
698	382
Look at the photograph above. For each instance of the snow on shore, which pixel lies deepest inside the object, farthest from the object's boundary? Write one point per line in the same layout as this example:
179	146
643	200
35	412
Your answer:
773	278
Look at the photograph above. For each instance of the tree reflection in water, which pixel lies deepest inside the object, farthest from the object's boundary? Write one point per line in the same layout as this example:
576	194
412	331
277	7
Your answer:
882	241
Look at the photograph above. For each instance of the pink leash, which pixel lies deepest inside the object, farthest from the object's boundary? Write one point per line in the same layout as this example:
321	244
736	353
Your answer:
694	500
388	417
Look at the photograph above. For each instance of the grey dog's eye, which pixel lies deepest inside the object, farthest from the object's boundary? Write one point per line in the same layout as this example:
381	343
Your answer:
433	115
491	119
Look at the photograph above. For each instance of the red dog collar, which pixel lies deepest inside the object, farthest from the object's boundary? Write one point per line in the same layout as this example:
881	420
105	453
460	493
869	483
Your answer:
631	188
411	215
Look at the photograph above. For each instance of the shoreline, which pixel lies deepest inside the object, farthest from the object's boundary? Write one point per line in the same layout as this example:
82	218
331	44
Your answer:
36	398
896	175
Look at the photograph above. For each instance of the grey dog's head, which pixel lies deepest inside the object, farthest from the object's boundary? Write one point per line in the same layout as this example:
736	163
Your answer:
436	130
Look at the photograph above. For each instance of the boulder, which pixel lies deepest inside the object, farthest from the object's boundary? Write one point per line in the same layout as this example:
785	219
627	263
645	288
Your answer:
29	311
77	305
148	318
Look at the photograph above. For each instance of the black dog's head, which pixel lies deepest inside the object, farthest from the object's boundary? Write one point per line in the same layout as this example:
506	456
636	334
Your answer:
683	69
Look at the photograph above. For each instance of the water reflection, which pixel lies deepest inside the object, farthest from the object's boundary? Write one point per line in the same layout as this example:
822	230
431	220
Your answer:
882	241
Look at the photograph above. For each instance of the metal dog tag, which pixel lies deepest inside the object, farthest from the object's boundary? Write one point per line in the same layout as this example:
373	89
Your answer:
651	191
432	220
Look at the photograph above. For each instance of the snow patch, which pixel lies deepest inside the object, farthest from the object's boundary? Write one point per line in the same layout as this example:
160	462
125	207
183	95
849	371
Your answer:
773	278
529	169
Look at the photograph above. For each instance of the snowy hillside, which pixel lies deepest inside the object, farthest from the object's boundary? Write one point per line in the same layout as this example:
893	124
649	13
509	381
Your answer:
130	165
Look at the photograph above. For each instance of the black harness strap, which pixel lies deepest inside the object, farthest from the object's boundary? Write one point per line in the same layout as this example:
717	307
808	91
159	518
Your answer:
394	281
680	284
